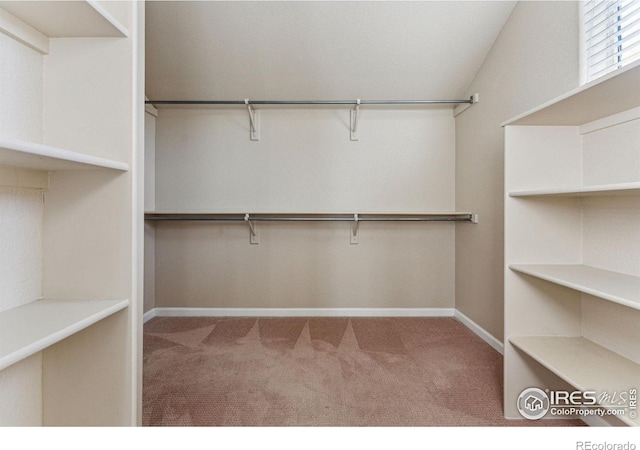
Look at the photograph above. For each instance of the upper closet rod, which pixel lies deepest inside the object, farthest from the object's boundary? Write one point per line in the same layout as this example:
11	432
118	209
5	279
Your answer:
254	118
470	100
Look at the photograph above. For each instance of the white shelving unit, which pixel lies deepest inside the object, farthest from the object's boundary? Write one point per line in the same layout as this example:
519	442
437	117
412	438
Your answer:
84	325
572	253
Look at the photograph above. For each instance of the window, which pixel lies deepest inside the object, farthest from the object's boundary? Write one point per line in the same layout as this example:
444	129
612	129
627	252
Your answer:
611	35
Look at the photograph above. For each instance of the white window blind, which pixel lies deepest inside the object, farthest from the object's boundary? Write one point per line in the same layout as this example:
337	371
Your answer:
612	35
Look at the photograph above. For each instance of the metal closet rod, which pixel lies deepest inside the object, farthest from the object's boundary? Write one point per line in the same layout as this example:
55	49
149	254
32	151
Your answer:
350	218
470	100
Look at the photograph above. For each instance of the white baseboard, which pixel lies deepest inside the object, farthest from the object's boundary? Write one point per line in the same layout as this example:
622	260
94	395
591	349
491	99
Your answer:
303	312
328	312
481	332
149	315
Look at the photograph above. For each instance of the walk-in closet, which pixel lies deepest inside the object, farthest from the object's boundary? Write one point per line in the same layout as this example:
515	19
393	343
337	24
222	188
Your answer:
323	213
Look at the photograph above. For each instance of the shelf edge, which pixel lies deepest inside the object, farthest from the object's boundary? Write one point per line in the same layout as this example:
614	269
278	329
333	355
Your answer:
577	287
22	32
569	94
51	339
47	151
606	189
108	17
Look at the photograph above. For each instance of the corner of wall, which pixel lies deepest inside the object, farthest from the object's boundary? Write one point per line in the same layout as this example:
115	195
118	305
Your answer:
518	73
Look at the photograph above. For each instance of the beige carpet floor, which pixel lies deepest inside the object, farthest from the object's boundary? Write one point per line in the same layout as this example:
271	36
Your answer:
321	372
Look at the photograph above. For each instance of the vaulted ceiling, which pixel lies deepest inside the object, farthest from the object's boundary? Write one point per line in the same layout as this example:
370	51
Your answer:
272	50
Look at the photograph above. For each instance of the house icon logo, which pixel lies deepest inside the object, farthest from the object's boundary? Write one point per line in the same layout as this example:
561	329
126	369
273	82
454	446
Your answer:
533	403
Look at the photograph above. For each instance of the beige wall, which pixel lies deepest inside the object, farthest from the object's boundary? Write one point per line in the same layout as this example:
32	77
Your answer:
305	162
305	265
534	59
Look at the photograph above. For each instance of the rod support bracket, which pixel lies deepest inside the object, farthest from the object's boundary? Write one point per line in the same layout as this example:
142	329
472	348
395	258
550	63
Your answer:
254	231
254	121
355	226
354	121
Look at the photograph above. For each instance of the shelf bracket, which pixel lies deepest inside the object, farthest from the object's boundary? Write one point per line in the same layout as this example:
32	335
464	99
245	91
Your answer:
354	229
254	231
254	122
354	121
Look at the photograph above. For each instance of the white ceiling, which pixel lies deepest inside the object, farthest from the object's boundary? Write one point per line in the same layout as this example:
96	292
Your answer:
317	50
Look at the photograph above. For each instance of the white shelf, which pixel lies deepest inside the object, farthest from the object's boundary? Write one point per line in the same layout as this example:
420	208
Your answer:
31	328
611	94
66	19
583	364
613	286
621	189
14	152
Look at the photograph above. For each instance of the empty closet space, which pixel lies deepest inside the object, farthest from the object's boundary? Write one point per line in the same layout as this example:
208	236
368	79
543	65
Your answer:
302	214
302	178
350	201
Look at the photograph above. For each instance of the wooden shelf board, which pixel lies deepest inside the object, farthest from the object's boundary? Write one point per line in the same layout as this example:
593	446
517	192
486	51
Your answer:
66	19
620	189
31	328
583	364
17	153
611	94
613	286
